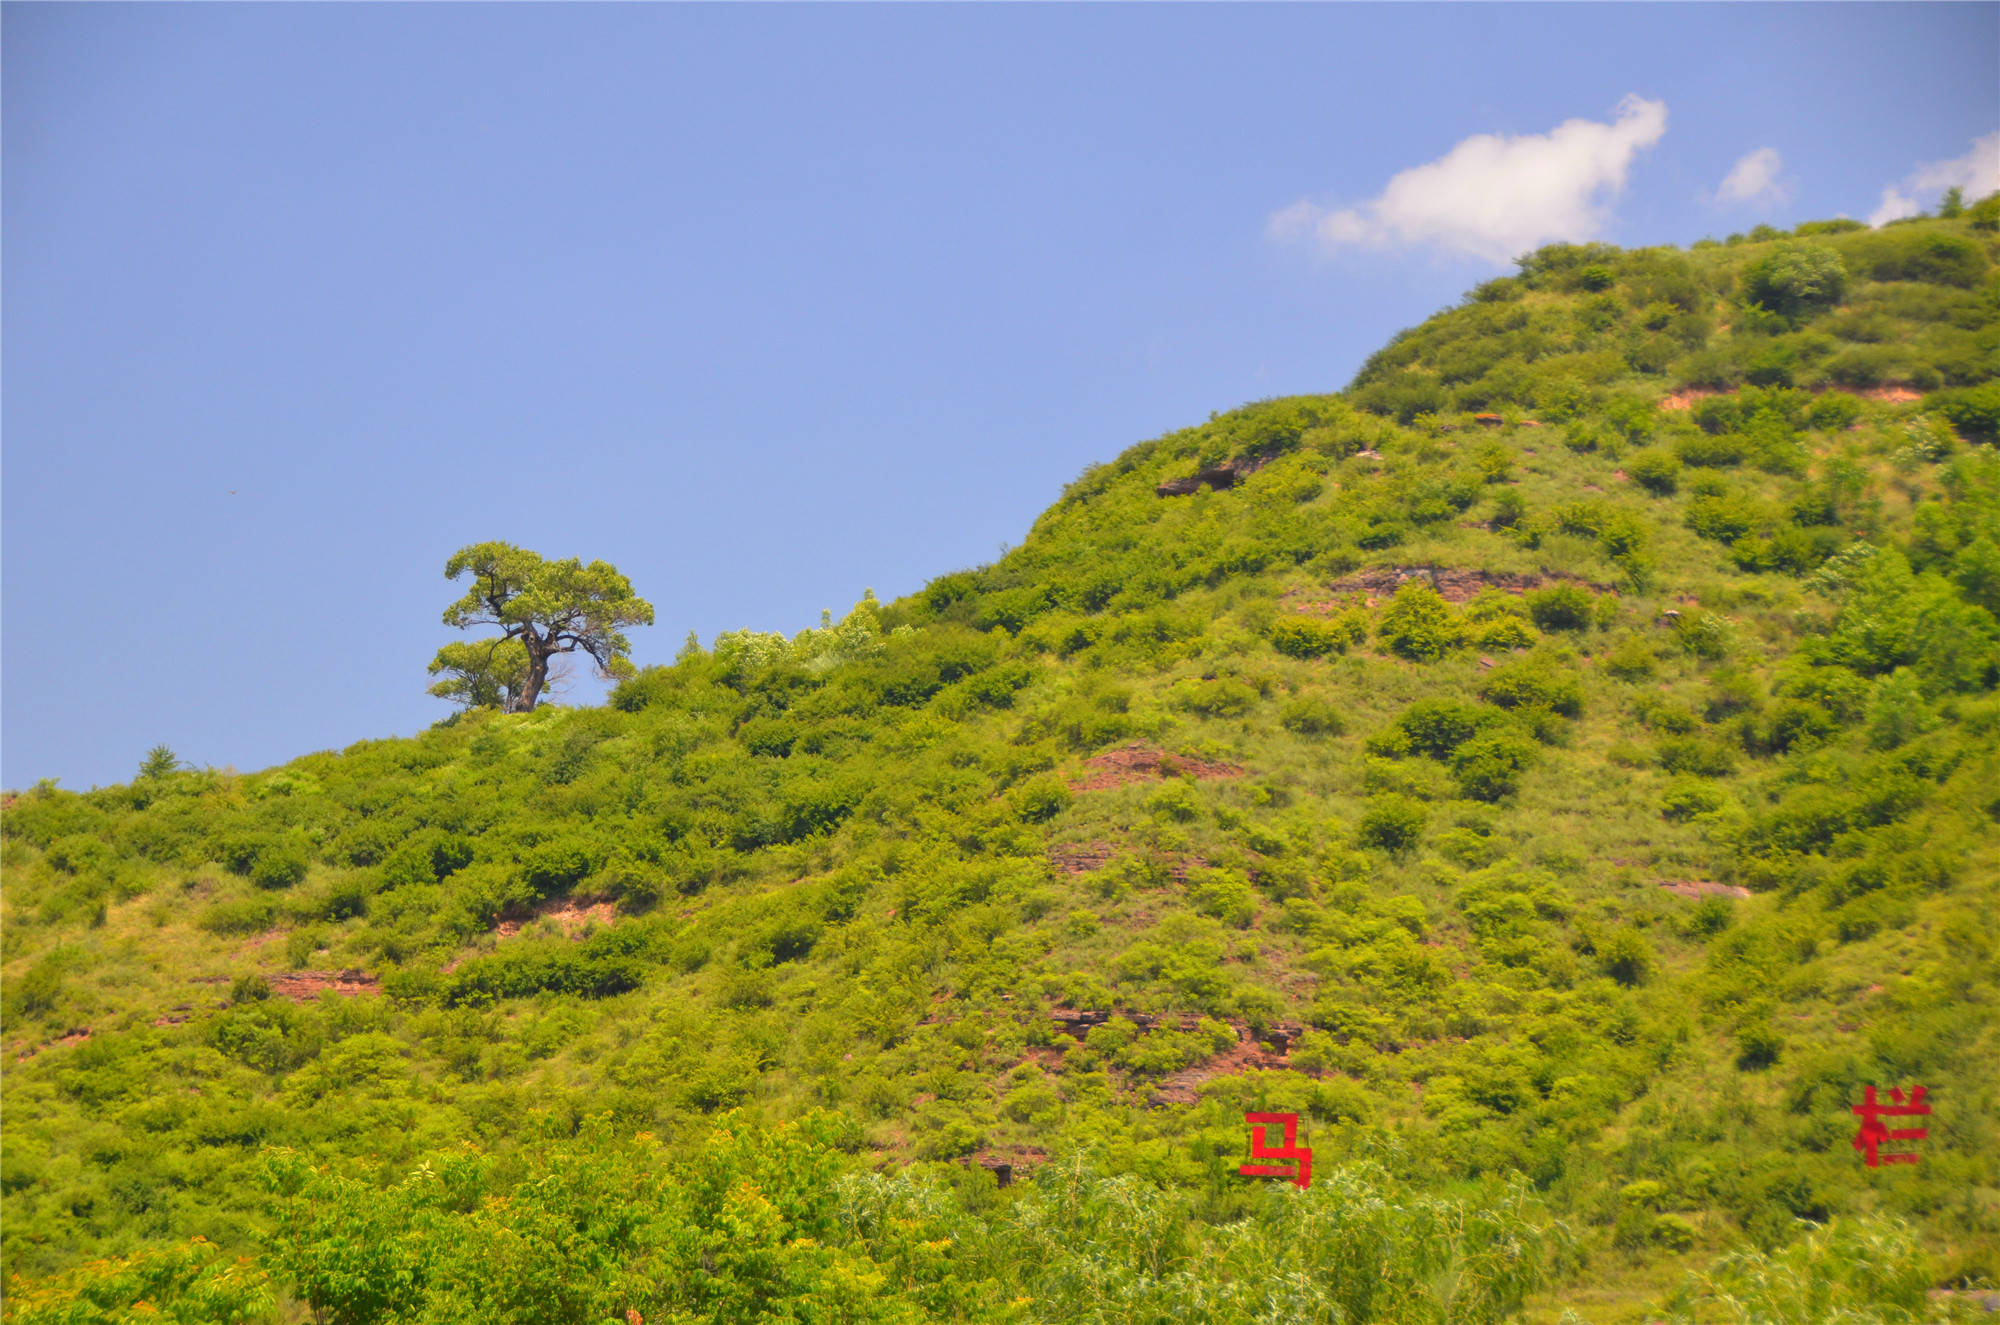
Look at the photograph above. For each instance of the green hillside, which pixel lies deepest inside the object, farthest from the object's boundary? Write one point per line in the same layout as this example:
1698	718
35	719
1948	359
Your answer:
1564	768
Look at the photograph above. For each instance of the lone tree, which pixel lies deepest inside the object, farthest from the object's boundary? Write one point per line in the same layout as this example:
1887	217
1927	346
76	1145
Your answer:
543	608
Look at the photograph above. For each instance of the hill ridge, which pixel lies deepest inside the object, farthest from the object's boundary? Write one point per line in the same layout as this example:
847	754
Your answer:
1564	819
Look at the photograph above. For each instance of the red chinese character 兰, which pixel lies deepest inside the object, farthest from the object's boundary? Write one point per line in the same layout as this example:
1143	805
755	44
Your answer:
1300	1171
1873	1134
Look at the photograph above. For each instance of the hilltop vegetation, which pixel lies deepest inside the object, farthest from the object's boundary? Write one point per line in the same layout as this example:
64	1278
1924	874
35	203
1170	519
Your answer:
1564	768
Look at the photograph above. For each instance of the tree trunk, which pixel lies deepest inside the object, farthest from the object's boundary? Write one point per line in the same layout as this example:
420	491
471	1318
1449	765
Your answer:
538	671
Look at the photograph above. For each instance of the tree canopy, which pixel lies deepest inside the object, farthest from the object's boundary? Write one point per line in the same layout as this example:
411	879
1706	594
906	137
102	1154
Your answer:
543	608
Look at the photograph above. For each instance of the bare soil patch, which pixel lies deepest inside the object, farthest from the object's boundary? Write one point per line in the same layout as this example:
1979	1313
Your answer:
1454	585
73	1036
1006	1161
307	986
1894	393
1686	399
1703	888
1084	857
1144	763
571	914
1184	1087
1248	1054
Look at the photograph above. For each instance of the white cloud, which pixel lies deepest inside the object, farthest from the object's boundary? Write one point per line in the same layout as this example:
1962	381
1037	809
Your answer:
1494	197
1977	173
1754	178
1895	205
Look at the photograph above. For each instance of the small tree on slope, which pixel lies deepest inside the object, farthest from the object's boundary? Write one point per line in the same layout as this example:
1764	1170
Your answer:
543	608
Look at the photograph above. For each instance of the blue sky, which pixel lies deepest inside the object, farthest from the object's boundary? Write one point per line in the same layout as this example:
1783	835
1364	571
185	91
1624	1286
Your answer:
766	304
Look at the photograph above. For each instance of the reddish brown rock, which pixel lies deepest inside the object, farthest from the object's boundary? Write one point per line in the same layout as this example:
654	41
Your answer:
1141	763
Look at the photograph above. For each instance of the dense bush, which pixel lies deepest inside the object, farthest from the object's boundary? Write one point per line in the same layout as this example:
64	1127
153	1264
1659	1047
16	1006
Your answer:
1392	823
1917	255
1533	684
1313	716
1797	279
1418	623
1655	471
1973	410
1561	607
1489	767
1313	637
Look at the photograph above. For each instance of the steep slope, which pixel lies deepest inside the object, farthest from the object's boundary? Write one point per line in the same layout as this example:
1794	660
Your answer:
1572	752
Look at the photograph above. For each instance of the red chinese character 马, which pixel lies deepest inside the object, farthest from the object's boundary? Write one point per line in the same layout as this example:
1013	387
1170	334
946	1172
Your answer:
1873	1134
1300	1167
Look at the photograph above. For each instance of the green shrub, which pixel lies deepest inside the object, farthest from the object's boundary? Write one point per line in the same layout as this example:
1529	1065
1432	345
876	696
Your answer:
1631	659
1716	415
1437	727
1702	451
1872	1270
557	865
1310	715
1704	636
198	1281
1314	637
1673	1232
1496	463
1918	255
249	989
1489	766
1724	516
278	867
1214	697
1502	632
1833	411
1532	683
1176	801
1508	508
37	989
1223	894
427	858
1655	471
1973	410
1393	824
1710	916
248	915
1561	607
1798	279
1626	957
1634	417
1793	725
240	852
1697	758
1689	798
589	970
1040	799
1401	397
1418	623
771	737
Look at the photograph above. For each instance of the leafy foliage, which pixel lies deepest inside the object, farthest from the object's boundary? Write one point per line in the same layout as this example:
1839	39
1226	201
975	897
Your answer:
1348	789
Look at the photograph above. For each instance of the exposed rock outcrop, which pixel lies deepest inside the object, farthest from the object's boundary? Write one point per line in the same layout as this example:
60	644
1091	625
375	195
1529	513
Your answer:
1219	477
